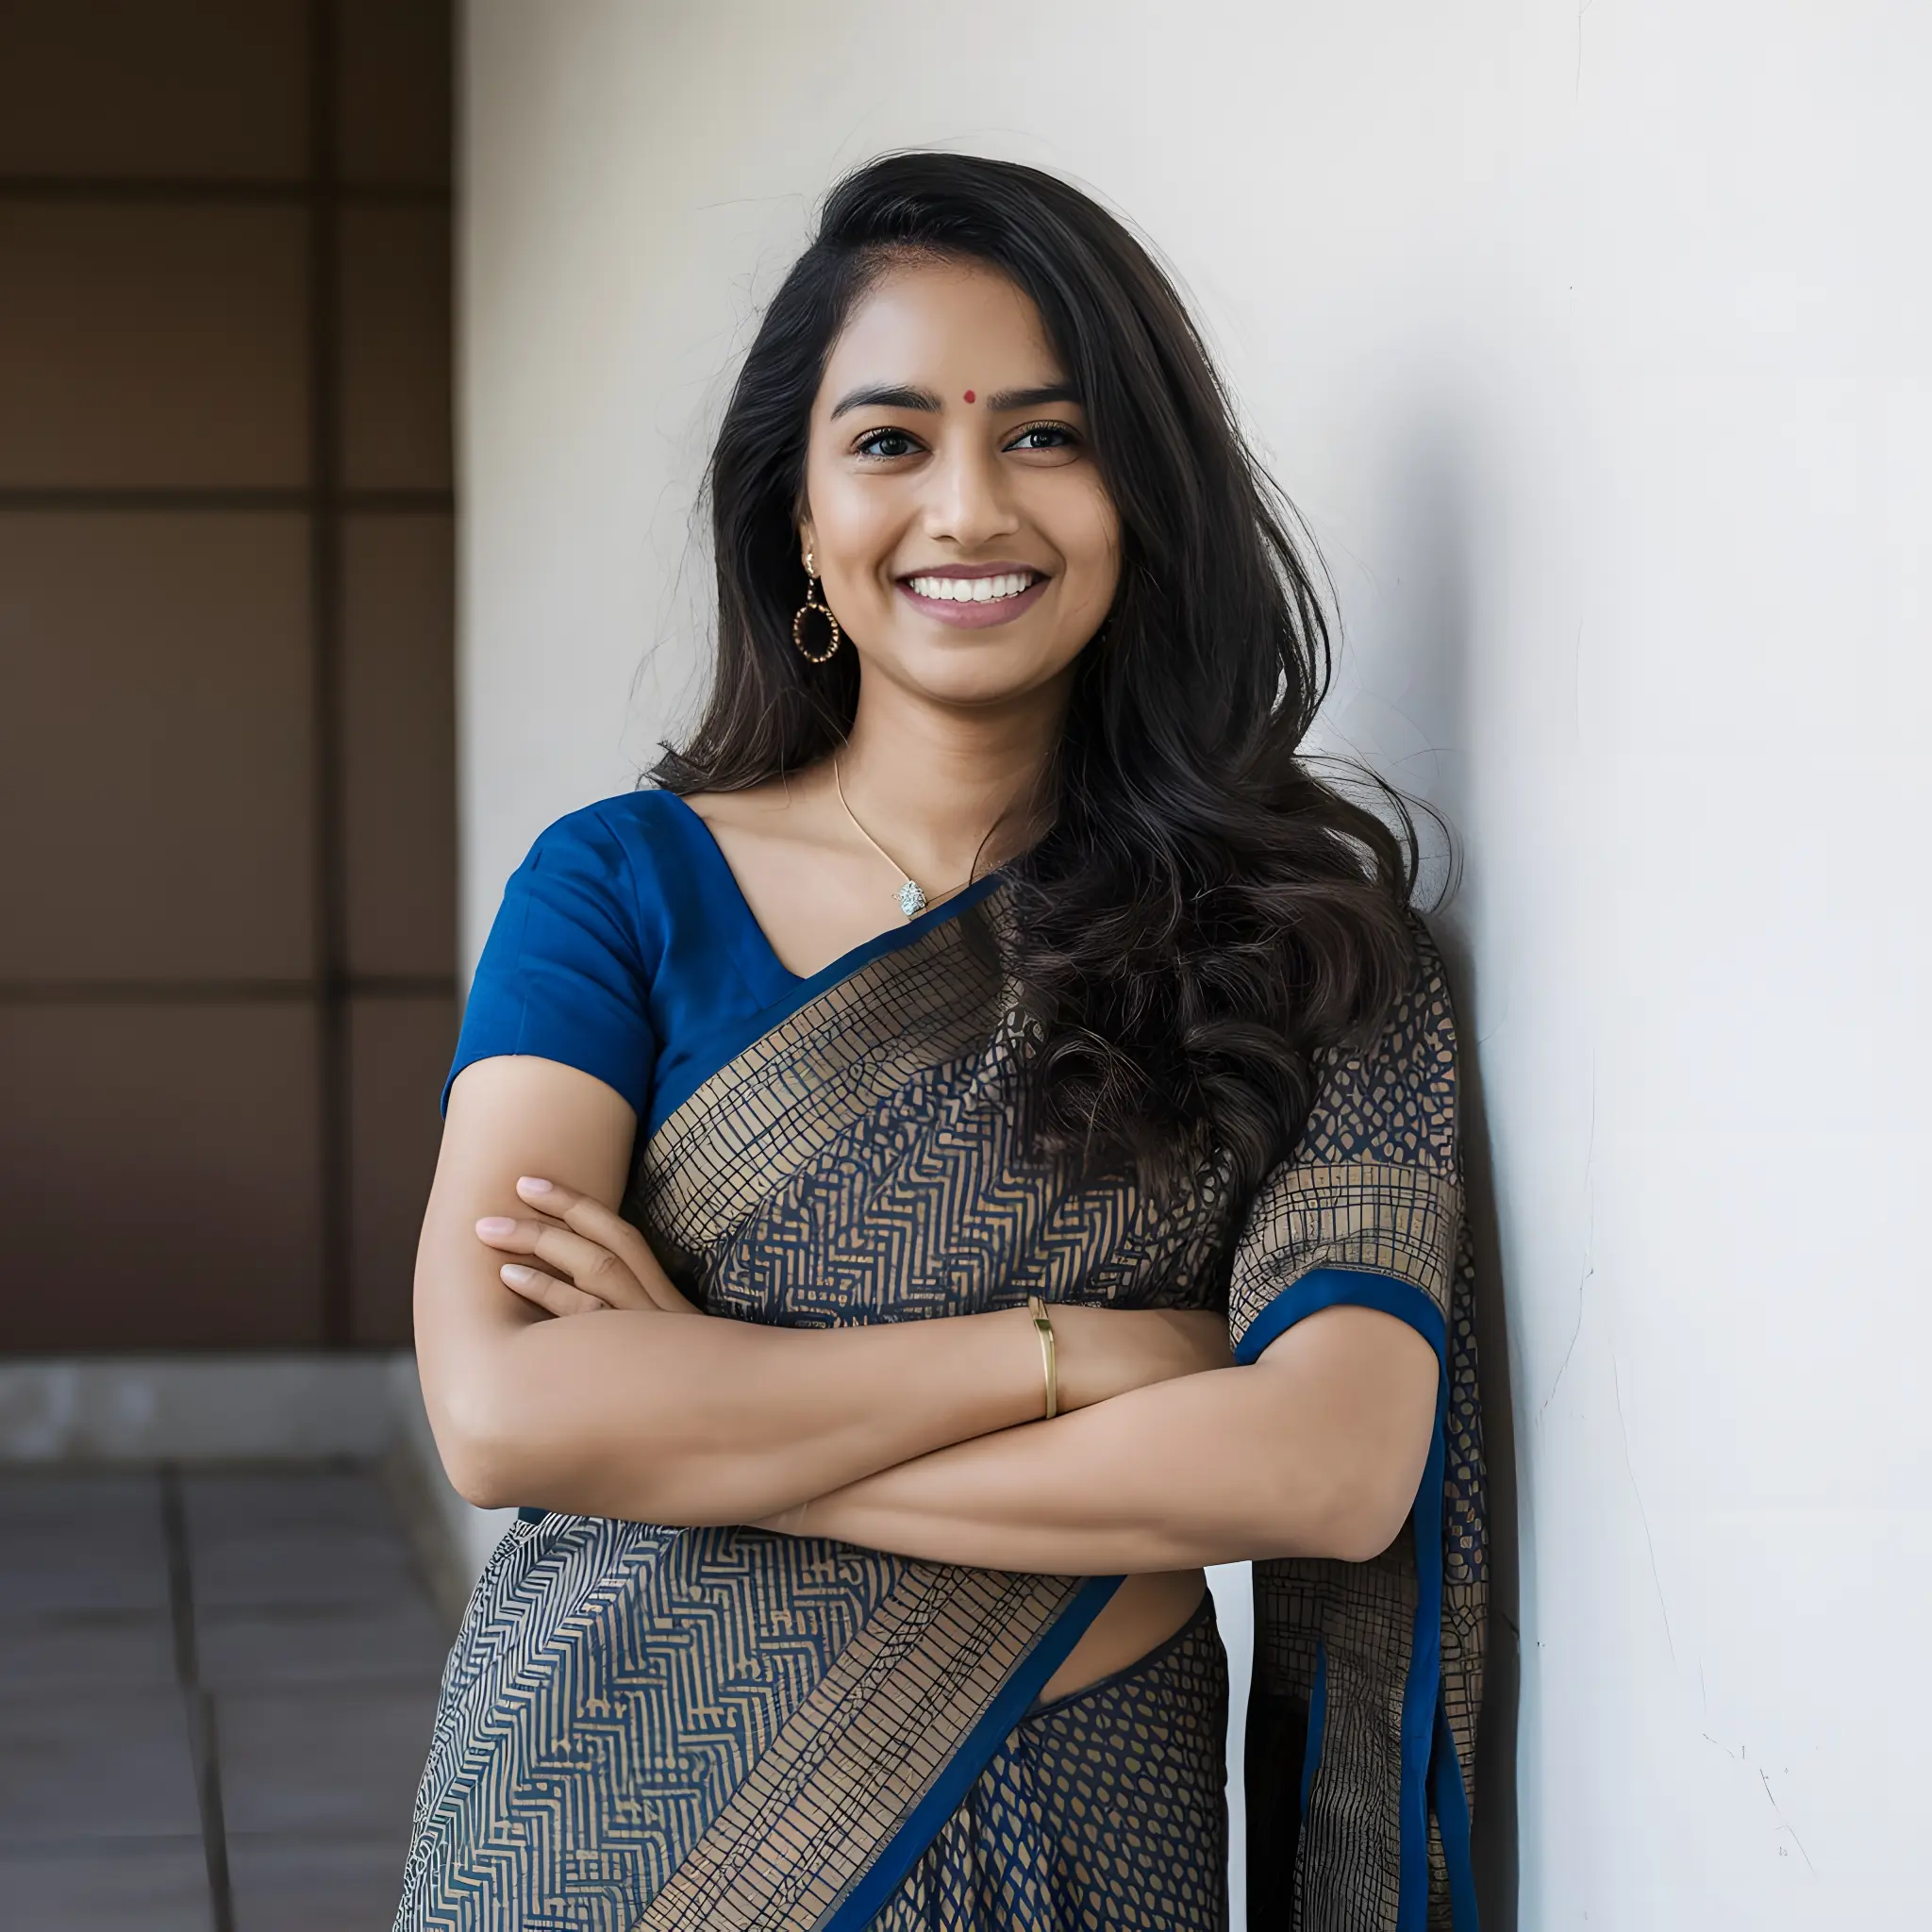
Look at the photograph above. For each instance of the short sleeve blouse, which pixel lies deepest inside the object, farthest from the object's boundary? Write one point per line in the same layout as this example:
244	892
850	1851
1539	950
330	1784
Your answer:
625	948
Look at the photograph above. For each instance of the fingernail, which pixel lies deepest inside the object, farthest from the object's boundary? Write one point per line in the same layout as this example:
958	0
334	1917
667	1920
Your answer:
495	1224
515	1272
529	1183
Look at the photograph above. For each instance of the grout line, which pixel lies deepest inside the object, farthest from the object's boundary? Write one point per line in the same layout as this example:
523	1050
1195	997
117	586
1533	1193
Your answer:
201	1713
180	1579
198	190
226	992
330	857
236	499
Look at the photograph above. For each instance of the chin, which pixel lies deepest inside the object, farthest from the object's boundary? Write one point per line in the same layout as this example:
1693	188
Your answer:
973	672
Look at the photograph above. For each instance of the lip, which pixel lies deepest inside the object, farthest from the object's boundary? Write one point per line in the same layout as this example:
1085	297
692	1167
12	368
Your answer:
1000	567
975	616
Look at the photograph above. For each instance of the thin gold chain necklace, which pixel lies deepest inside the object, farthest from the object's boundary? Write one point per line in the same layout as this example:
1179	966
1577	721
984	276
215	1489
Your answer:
913	897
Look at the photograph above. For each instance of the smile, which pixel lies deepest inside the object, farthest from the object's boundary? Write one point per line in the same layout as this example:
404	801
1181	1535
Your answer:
970	600
972	590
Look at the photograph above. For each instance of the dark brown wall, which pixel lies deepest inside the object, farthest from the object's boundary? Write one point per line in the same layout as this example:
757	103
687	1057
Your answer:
227	714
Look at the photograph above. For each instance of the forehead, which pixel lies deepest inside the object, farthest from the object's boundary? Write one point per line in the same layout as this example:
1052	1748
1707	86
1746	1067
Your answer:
941	323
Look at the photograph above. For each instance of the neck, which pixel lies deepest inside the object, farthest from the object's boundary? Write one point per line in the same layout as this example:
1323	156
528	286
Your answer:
950	791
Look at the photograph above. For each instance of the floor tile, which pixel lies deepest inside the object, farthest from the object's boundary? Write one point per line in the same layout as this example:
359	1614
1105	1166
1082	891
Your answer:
251	1501
404	1642
313	1885
81	1543
289	1539
153	1888
95	1764
82	1649
324	1762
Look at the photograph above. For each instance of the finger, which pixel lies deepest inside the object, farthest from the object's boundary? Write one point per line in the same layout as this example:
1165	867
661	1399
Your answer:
611	1230
547	1293
592	1266
516	1237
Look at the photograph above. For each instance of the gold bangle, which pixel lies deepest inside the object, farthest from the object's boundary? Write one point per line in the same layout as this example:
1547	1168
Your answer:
1049	1360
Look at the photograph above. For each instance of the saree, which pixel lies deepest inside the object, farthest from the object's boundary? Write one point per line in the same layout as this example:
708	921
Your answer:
652	1729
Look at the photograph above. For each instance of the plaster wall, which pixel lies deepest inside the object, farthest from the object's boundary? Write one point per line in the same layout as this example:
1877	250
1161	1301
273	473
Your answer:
1594	343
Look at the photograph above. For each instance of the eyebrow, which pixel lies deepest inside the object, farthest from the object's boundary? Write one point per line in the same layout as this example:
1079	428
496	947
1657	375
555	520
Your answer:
1032	398
888	395
891	395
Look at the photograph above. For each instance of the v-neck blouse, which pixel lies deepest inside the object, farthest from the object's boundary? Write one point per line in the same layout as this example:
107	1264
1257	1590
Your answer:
625	948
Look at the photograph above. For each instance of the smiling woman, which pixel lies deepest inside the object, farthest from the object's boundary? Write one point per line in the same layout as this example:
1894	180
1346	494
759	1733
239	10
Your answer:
971	1144
968	516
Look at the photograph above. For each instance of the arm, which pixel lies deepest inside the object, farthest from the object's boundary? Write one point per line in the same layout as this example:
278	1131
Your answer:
633	1411
1316	1450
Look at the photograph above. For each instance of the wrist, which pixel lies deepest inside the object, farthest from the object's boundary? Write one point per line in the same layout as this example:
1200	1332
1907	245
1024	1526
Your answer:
1036	1361
1108	1352
1090	1362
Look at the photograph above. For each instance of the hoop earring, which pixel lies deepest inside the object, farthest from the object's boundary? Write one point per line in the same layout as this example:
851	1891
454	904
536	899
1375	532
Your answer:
811	603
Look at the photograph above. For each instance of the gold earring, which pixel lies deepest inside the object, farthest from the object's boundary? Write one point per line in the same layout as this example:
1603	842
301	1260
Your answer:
811	603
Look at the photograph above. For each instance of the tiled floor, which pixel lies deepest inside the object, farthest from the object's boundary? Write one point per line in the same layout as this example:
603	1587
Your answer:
215	1700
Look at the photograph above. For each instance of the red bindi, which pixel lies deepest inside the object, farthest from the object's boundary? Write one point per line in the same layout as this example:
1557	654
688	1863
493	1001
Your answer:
969	395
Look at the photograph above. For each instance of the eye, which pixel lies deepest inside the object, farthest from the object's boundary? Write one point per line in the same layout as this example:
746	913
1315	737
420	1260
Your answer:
881	445
1047	435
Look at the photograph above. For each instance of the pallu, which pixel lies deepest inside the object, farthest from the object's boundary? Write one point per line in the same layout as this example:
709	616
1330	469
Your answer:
652	1729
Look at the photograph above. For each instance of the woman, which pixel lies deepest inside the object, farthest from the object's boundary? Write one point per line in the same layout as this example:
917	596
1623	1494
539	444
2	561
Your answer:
973	1144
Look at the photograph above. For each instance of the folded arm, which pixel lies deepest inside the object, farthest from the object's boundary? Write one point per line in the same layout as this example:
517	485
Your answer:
1316	1450
637	1410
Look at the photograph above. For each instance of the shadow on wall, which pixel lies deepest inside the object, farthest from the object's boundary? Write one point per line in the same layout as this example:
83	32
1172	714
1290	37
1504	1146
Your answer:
1427	627
1495	1847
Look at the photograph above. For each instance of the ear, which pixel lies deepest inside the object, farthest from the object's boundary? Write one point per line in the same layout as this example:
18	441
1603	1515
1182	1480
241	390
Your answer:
808	541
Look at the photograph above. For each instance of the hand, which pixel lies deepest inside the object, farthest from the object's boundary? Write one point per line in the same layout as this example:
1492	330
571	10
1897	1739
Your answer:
1104	1352
601	1260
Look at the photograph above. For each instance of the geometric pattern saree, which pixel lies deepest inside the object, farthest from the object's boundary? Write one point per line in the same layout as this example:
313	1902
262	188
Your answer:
652	1729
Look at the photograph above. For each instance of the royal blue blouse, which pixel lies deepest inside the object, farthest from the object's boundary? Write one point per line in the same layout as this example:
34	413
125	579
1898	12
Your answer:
625	948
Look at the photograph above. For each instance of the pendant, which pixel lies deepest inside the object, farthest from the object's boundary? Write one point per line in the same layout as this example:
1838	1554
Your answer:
911	900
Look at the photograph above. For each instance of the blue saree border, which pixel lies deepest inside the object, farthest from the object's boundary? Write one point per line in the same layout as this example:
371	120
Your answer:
730	1041
1327	1288
1452	1815
943	1796
1422	1695
1318	1720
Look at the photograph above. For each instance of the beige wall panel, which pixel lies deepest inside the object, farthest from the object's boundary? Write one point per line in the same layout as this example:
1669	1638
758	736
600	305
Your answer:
399	1052
150	345
396	348
394	90
399	743
146	88
155	746
158	1176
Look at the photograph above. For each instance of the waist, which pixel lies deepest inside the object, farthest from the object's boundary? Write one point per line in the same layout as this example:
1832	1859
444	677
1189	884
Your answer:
1142	1613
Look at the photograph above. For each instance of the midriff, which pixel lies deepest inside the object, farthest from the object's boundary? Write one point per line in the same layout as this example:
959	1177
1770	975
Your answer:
1144	1611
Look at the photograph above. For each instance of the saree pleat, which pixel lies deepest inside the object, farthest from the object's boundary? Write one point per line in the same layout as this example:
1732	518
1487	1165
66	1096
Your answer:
661	1730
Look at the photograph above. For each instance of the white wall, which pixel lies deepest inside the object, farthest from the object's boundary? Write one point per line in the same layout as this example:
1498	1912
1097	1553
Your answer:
1593	339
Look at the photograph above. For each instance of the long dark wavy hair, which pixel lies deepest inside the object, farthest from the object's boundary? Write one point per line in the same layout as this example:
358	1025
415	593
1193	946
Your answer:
1205	914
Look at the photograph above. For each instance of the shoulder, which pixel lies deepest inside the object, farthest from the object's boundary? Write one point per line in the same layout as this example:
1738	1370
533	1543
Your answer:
610	867
1392	1096
1427	1013
630	818
628	838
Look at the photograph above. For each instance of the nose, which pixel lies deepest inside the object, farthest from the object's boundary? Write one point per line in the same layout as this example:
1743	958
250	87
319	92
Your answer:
968	499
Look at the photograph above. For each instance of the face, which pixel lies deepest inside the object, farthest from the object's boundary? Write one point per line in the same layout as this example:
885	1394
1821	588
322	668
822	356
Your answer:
956	513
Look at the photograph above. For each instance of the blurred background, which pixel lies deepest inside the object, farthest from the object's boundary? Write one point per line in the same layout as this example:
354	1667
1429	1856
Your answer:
229	952
227	947
1591	341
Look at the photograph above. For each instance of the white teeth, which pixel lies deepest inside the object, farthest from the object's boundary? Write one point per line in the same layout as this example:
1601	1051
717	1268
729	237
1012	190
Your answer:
972	590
